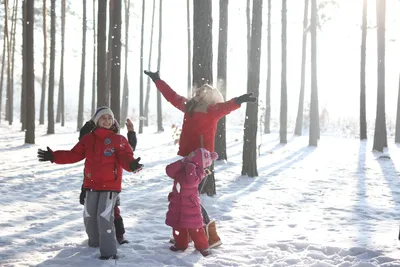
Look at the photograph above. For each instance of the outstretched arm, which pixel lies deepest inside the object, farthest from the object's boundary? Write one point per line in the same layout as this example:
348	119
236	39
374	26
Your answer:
170	95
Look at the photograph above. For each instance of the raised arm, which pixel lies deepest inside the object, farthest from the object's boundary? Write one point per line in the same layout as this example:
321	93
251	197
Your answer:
224	108
170	95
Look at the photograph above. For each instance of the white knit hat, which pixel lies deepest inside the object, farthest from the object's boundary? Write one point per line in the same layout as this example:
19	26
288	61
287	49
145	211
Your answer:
100	112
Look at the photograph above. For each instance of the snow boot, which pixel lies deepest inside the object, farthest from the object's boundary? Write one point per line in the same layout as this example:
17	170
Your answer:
121	240
112	257
175	249
212	236
205	252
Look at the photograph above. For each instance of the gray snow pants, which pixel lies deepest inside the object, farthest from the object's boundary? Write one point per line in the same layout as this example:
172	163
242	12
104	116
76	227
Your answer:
98	217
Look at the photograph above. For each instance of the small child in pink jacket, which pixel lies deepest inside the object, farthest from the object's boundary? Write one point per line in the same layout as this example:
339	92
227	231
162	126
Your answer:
184	211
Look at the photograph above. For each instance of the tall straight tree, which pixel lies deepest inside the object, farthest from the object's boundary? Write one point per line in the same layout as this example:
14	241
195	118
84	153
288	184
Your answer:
29	73
249	165
109	52
189	51
94	60
12	44
314	113
141	72
283	112
147	100
116	59
50	104
267	118
380	136
60	116
160	127
300	111
363	116
101	53
9	93
125	92
83	69
202	64
3	55
23	115
44	76
220	137
397	133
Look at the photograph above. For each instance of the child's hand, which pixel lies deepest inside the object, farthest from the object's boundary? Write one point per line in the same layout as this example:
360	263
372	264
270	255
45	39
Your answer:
129	125
135	166
207	171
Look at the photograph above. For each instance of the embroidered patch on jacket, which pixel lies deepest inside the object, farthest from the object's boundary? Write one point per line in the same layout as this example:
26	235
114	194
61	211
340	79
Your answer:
107	141
109	151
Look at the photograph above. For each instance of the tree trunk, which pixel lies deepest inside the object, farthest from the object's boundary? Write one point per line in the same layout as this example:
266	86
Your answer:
109	54
314	116
220	137
267	118
101	53
29	73
9	94
3	62
300	111
50	104
189	52
248	22
249	165
283	113
363	116
44	76
160	127
116	59
60	106
397	133
380	136
146	103
23	115
125	93
141	72
202	60
82	78
93	109
12	45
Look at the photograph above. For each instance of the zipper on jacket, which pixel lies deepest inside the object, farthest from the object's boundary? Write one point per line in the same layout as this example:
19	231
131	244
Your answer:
115	172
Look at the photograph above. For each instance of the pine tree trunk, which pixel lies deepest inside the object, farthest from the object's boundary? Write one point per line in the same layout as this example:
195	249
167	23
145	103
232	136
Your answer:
363	116
50	104
29	73
101	53
9	94
160	127
93	108
141	72
125	93
82	78
397	133
249	165
116	59
109	54
60	106
146	103
267	117
283	111
3	62
202	60
189	52
44	76
380	136
12	45
220	137
24	66
314	116
300	111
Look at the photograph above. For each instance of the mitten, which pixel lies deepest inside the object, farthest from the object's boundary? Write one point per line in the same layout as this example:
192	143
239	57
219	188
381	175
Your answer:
44	155
153	75
82	196
135	166
245	98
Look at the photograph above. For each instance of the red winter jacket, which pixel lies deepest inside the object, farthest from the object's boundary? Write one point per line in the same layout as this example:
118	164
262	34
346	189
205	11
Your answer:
199	123
106	154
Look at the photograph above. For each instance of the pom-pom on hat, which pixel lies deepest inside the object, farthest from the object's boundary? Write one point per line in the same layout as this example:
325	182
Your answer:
100	112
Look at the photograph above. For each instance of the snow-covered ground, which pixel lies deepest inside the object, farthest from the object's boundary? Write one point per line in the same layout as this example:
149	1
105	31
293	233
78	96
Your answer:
335	205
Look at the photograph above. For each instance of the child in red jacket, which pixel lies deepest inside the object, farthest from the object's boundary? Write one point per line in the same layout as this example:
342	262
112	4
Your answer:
202	113
184	211
131	136
106	154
